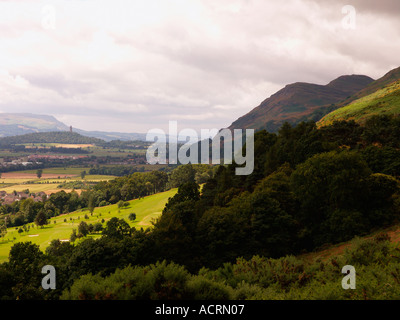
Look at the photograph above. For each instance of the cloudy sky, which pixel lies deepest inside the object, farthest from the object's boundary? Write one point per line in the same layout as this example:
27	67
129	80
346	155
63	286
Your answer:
130	66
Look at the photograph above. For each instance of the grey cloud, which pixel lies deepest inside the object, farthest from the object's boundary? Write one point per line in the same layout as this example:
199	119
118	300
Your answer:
386	7
177	67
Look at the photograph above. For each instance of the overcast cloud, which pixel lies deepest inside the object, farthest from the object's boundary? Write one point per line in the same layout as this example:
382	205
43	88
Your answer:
131	66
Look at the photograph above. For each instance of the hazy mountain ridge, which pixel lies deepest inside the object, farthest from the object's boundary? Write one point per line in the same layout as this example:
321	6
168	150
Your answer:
13	124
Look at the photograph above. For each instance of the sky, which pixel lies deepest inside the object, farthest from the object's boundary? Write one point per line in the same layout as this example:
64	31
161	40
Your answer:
132	66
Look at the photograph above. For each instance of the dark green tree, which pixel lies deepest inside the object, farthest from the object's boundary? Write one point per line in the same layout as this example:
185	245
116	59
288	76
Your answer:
39	173
116	228
41	218
83	228
25	262
132	216
83	174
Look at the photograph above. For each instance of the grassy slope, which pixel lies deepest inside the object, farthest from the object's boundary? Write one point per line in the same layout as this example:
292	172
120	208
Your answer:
383	101
146	209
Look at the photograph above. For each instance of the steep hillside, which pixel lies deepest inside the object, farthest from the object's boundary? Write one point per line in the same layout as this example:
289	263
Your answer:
387	79
385	101
299	101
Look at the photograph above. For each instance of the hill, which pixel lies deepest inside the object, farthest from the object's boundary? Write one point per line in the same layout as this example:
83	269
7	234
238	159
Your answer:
12	124
384	101
389	78
300	101
16	124
50	137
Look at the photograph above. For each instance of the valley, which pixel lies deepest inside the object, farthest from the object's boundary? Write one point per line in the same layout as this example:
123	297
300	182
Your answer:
324	193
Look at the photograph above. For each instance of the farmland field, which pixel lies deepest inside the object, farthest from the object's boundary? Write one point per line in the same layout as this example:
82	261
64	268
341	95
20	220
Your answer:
61	227
54	171
51	178
34	188
91	149
56	145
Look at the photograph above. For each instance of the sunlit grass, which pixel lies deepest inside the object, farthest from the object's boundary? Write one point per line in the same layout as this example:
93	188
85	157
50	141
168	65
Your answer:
60	227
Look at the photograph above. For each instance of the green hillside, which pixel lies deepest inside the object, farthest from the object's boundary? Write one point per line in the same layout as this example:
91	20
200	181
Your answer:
385	101
388	79
145	209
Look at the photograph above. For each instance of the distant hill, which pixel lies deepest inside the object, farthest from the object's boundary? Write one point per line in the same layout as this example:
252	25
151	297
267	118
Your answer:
12	124
384	101
301	101
50	137
110	136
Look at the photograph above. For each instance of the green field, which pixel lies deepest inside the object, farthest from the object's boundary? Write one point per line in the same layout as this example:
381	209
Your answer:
93	150
58	171
33	188
385	101
52	177
146	209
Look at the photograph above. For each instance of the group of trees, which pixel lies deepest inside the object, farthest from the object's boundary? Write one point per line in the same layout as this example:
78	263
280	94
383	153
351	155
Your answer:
143	184
260	278
118	171
105	269
121	189
310	187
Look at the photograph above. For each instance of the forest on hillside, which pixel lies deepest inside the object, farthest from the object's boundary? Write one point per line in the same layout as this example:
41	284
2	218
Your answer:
236	237
49	137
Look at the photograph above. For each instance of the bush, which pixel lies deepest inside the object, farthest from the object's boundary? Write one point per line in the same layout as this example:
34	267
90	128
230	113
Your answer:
201	288
370	251
160	281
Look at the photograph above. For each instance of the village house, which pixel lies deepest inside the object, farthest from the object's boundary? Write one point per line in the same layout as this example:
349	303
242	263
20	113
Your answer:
9	198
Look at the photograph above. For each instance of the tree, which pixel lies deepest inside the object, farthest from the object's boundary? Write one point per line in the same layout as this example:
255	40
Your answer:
132	216
117	228
335	192
25	261
3	230
181	175
60	200
91	203
73	236
123	204
41	218
83	174
97	227
39	173
186	191
83	228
